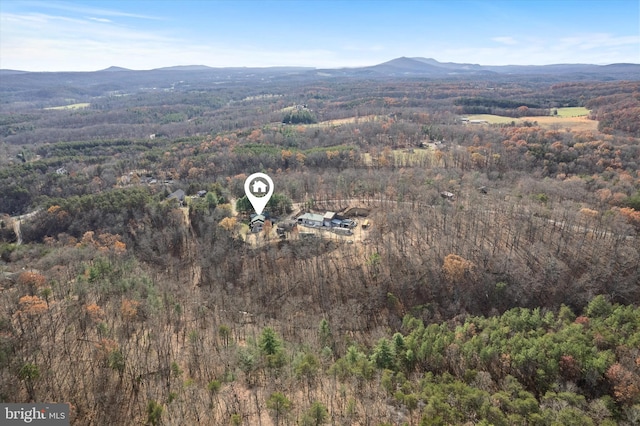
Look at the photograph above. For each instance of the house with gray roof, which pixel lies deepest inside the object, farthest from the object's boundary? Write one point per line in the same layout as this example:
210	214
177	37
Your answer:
257	223
177	195
311	220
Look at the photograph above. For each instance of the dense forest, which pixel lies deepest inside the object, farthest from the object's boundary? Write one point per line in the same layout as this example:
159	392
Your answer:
497	280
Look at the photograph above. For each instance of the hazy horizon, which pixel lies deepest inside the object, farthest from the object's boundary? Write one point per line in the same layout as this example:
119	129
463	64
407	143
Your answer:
143	35
195	66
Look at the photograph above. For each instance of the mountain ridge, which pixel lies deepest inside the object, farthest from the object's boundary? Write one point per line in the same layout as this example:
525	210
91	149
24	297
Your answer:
46	86
401	64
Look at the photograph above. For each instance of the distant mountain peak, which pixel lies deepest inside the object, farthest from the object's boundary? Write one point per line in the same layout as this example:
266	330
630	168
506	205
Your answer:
114	69
424	66
404	66
403	60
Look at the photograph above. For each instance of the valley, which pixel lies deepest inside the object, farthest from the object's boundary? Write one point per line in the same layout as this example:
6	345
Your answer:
492	273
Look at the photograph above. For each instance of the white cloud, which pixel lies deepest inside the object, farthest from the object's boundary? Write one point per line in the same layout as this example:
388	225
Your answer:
597	41
100	19
505	40
50	42
97	38
47	42
593	48
85	10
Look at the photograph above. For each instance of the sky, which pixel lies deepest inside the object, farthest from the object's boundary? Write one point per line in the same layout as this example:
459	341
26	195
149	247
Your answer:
86	35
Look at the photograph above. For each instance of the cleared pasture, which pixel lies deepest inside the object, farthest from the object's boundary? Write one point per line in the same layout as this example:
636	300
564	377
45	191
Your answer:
576	124
348	120
573	112
341	121
559	122
491	119
72	106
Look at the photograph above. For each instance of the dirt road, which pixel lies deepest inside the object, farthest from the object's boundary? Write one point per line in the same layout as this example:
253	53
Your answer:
17	221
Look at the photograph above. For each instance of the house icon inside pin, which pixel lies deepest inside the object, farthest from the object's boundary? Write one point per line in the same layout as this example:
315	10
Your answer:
258	187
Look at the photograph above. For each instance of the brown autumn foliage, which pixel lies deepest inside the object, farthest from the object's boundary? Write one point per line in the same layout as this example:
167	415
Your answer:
545	232
456	268
95	312
626	384
228	223
631	215
129	309
33	281
31	306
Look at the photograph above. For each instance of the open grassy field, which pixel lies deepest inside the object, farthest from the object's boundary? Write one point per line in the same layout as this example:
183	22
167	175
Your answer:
492	119
576	124
348	120
573	112
568	118
72	106
341	121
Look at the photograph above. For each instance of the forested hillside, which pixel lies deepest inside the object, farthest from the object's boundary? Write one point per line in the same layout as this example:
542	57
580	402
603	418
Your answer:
492	277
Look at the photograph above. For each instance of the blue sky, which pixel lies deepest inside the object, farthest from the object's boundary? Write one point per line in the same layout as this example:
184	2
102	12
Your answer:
90	35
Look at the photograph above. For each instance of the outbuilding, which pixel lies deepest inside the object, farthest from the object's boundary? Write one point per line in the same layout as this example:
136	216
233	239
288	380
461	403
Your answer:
311	219
327	218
